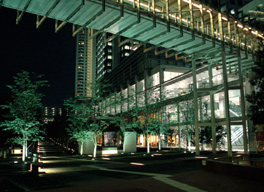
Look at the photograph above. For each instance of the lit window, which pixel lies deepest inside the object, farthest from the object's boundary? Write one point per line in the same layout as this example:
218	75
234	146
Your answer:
109	56
109	43
126	54
126	47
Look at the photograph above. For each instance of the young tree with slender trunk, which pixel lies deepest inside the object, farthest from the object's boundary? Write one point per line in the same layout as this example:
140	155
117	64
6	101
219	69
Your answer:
23	110
78	111
85	118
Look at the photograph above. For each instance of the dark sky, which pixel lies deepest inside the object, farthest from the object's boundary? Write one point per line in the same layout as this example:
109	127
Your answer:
23	47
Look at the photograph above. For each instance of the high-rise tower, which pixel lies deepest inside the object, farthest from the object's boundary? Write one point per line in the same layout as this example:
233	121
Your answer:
85	63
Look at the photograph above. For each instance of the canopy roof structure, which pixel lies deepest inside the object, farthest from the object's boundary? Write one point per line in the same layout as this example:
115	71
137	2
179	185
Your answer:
173	27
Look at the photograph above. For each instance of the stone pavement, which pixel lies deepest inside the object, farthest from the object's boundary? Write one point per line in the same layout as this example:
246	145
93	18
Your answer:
138	172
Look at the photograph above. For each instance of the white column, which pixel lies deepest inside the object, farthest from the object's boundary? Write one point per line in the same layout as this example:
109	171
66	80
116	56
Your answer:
212	109
195	102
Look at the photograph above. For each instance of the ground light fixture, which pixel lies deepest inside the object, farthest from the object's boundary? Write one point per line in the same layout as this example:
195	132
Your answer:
134	163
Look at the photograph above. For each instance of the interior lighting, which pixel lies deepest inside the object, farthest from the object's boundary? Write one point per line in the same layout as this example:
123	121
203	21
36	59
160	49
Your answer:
224	18
246	29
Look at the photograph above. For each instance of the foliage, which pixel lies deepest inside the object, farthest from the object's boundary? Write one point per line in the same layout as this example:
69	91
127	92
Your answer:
257	81
23	109
84	115
206	135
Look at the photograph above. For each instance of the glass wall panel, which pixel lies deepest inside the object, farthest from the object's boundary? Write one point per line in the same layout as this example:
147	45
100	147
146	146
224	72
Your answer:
235	103
217	76
154	80
153	95
237	137
169	75
124	106
172	111
141	99
141	86
113	105
204	111
219	105
203	80
124	93
132	101
118	103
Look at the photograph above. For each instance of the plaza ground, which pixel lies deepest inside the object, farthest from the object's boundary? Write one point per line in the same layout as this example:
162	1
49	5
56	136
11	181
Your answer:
160	171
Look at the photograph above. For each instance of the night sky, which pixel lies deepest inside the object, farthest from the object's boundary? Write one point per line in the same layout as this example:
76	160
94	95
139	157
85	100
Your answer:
23	47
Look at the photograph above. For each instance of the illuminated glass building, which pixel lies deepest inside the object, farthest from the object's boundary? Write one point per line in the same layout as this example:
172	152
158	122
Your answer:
85	63
48	114
109	54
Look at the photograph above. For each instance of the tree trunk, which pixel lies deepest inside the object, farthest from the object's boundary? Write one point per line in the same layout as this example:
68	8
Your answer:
148	149
26	155
179	138
24	151
159	142
124	146
189	143
81	150
95	148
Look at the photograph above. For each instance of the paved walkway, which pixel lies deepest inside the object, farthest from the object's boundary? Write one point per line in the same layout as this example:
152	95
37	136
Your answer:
122	173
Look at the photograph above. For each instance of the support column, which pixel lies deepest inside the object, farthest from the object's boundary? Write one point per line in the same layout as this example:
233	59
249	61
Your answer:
128	94
136	90
195	102
243	110
122	99
161	81
179	129
212	106
115	104
227	113
146	82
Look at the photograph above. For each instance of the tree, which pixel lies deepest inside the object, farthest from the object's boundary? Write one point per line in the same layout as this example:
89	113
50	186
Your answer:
186	111
85	118
23	110
257	81
79	112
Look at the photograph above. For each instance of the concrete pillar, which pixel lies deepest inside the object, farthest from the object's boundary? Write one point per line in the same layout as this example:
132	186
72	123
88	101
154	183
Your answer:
195	102
88	146
128	94
122	99
136	90
243	109
179	128
226	95
130	142
146	84
212	106
227	113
